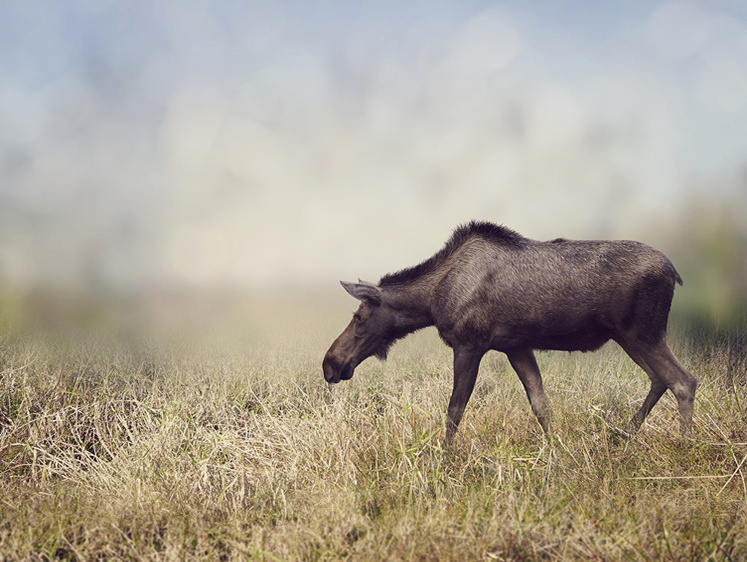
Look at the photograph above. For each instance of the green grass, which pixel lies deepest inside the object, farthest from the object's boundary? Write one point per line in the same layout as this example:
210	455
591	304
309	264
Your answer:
233	447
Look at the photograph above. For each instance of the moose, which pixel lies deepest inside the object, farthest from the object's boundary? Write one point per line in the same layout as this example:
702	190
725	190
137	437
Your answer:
491	288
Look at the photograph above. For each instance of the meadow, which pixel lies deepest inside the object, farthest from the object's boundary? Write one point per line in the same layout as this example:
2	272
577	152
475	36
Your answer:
225	443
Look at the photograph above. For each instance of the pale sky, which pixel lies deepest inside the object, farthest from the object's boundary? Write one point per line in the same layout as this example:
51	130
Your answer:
257	143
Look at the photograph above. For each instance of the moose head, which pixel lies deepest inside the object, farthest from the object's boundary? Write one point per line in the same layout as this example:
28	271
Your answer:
371	332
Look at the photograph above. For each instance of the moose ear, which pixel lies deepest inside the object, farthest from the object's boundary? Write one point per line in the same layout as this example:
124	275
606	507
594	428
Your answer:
363	291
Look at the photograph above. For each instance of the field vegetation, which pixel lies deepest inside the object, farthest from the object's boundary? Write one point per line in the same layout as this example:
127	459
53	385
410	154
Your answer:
122	442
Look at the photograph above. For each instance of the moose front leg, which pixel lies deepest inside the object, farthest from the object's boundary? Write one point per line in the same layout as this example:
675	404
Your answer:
525	365
466	365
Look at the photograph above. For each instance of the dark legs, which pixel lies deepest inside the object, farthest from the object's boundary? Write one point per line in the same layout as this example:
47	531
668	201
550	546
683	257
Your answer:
525	365
657	360
665	372
660	364
466	365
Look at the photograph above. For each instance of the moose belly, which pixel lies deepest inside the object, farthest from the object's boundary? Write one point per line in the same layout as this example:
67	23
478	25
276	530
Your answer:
586	336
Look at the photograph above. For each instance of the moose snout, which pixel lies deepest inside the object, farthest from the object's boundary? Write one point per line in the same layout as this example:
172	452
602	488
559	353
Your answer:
336	370
331	369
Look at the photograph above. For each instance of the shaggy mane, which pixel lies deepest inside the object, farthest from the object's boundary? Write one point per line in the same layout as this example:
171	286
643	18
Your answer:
475	229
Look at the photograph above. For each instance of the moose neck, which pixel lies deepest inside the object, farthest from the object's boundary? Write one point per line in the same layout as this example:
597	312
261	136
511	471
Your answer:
411	303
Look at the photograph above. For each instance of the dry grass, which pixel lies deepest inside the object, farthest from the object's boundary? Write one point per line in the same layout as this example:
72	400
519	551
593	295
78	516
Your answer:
221	451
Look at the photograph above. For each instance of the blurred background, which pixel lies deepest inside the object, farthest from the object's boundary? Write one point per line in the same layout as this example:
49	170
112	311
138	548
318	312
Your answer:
226	147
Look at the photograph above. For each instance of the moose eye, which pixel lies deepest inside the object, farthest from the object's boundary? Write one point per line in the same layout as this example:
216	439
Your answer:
357	317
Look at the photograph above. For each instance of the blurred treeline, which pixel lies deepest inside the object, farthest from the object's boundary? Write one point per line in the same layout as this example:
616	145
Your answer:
708	244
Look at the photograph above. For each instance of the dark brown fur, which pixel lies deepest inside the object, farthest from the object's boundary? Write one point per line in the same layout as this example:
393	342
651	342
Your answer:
491	288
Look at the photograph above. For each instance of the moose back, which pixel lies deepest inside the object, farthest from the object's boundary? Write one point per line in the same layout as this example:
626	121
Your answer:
491	288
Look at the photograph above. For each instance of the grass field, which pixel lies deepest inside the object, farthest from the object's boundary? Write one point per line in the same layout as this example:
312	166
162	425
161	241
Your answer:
229	445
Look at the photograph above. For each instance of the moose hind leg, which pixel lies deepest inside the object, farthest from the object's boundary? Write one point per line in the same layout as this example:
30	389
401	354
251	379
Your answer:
656	391
668	371
525	365
658	388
